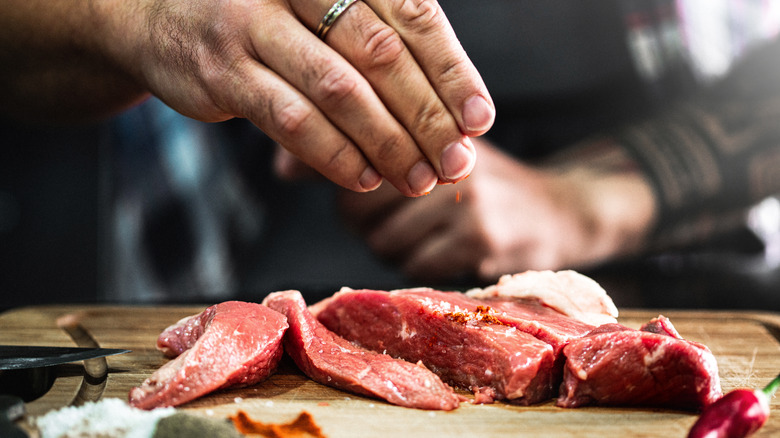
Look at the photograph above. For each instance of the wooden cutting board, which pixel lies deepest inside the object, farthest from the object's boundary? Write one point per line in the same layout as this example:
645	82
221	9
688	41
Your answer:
745	344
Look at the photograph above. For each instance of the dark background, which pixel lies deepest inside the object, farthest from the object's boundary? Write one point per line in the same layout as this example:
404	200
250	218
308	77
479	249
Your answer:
50	233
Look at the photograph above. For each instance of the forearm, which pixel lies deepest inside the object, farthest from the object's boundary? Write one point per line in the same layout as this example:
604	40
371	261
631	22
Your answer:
683	175
54	63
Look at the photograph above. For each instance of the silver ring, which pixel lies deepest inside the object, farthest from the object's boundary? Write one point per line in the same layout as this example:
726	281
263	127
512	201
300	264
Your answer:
335	11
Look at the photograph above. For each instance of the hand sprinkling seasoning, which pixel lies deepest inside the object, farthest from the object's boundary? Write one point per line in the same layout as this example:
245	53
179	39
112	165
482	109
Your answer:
738	414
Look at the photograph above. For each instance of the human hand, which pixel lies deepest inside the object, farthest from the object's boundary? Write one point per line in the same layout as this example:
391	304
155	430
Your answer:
506	217
391	95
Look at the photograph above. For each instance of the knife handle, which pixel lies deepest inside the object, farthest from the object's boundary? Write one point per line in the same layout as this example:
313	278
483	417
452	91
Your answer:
27	383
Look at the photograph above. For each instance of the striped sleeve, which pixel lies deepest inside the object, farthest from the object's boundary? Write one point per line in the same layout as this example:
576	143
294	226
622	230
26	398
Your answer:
712	157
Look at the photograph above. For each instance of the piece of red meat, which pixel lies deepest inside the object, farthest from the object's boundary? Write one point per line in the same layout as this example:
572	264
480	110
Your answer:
662	326
333	361
229	344
618	366
531	317
528	316
466	347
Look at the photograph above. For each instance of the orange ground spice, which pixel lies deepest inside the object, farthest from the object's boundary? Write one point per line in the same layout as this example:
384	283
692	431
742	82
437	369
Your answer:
302	427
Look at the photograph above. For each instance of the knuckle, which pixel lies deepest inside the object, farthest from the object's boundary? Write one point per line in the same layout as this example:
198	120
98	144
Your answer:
422	15
430	118
334	84
389	148
453	70
291	118
384	46
221	59
339	158
218	78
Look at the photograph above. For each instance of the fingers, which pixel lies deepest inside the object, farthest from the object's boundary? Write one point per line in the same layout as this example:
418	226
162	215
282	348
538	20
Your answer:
363	211
379	53
290	118
349	103
435	147
425	30
406	228
392	224
292	95
389	98
362	107
428	240
442	258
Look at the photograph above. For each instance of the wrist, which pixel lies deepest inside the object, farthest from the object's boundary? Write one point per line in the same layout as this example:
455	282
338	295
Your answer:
114	35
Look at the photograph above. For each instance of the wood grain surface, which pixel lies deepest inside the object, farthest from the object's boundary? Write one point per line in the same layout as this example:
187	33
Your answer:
745	344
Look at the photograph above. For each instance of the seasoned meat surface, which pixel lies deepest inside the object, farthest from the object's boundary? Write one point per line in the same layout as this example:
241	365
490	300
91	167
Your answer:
466	346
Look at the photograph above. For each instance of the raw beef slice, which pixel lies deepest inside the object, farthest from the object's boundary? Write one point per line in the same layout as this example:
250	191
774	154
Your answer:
618	366
466	348
230	344
333	361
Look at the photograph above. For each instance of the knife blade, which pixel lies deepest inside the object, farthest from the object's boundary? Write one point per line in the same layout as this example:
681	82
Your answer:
16	357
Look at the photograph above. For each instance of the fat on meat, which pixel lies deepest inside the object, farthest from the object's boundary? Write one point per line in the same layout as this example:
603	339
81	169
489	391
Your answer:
333	361
467	347
568	292
230	344
618	366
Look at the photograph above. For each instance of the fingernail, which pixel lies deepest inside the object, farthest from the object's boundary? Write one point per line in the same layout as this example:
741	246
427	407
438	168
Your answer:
370	179
478	115
457	160
422	178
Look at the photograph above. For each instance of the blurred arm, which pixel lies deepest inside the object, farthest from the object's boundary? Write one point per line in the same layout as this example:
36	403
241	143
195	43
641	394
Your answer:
712	157
50	65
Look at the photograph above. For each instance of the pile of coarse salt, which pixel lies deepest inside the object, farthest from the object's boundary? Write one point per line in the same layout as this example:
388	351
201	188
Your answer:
110	417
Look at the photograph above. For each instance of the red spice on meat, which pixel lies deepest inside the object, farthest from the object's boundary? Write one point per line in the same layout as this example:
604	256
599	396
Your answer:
482	314
459	317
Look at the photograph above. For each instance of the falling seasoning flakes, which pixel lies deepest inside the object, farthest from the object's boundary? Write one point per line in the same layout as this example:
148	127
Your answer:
457	197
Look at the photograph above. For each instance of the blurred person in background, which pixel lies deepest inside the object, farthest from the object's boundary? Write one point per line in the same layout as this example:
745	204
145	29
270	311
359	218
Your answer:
632	140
